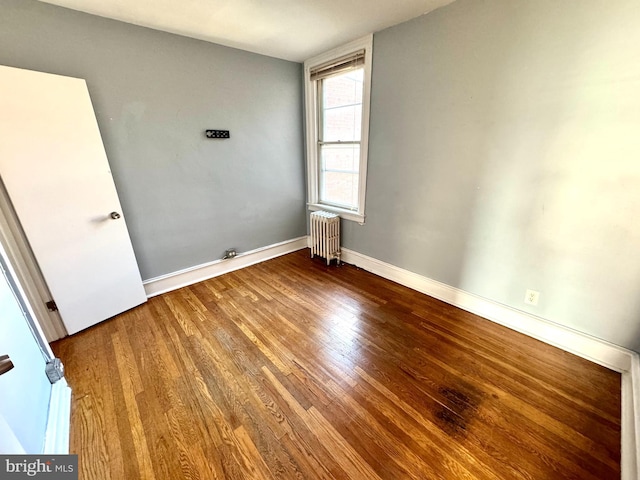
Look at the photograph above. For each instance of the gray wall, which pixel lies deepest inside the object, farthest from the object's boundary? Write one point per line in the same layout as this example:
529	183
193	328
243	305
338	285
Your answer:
186	198
505	155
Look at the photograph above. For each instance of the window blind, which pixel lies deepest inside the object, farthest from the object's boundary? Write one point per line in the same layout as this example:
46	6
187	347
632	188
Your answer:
340	65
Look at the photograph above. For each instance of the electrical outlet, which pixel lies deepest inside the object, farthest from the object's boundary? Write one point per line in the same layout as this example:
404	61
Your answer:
532	297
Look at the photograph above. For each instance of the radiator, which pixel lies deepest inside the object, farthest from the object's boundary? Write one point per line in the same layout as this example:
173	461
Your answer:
325	235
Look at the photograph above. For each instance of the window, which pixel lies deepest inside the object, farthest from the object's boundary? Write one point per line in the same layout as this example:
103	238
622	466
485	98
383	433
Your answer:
337	86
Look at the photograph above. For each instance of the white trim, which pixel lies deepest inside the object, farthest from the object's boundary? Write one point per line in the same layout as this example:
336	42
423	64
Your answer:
189	276
583	345
346	214
311	124
594	349
630	461
57	435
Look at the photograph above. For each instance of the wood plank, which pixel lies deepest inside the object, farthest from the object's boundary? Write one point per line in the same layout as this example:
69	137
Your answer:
292	369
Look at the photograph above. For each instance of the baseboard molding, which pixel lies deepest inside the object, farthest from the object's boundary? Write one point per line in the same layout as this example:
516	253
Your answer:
599	351
189	276
57	435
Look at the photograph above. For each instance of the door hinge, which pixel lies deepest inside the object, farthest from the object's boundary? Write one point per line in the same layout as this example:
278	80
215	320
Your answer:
51	305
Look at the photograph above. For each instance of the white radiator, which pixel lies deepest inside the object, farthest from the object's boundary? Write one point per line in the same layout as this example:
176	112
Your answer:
325	235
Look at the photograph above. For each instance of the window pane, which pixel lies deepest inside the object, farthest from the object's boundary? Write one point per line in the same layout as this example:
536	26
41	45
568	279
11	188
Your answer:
340	189
339	166
340	157
342	124
342	107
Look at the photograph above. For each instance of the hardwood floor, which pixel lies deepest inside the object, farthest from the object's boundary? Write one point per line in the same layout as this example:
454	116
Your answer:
289	369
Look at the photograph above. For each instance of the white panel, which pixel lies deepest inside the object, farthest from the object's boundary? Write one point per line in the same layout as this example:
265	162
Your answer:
56	172
24	390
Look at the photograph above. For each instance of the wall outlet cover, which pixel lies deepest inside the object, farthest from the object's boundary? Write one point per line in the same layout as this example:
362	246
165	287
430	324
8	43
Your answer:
531	297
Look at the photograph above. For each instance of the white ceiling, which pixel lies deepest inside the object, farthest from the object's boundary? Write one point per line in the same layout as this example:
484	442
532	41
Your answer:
290	29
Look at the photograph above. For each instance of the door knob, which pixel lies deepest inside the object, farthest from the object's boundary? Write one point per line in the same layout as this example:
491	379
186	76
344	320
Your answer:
5	364
115	215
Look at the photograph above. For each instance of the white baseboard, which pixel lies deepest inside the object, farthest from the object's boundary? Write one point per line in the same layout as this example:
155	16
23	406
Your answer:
189	276
599	351
57	435
592	348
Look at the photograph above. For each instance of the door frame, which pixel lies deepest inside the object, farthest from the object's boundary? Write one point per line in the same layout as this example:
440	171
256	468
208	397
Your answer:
48	325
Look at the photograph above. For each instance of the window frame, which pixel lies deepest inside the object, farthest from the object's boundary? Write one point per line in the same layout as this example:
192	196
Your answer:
312	124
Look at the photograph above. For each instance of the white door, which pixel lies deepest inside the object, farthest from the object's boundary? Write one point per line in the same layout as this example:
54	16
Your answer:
55	170
24	387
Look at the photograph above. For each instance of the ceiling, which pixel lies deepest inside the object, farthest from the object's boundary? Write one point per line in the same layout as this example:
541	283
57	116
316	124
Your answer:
289	29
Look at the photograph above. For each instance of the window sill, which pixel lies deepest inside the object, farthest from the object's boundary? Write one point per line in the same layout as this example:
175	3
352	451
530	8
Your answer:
346	214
